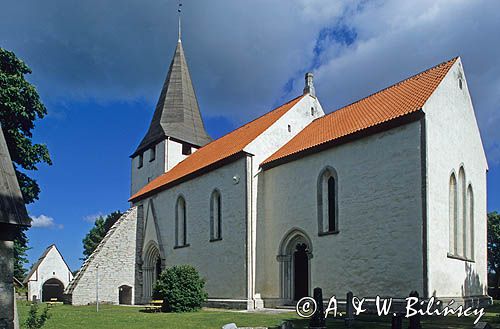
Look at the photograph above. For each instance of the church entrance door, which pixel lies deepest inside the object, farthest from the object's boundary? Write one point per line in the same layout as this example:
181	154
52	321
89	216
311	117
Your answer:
125	295
294	260
301	272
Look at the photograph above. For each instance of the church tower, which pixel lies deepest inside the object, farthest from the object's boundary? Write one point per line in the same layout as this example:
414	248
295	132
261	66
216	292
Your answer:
176	129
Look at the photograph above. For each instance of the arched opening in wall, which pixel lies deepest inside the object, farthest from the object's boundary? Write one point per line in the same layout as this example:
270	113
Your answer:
125	295
151	270
294	259
52	288
300	271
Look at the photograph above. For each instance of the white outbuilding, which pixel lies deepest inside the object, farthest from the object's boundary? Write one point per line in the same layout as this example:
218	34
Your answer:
49	276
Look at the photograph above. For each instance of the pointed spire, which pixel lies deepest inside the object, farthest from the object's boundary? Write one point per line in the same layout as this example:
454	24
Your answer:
177	114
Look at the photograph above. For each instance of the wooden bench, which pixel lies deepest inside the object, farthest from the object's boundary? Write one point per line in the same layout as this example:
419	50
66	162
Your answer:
154	305
53	301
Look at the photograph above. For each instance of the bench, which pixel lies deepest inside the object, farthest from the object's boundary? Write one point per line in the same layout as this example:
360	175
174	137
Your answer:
154	305
53	301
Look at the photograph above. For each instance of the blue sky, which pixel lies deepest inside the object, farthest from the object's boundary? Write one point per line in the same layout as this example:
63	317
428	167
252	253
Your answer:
99	67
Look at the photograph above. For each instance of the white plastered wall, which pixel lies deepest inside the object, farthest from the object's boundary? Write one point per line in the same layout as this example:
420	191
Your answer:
51	267
378	250
453	140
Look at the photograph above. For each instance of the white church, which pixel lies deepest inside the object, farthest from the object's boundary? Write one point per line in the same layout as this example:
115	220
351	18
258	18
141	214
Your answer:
381	197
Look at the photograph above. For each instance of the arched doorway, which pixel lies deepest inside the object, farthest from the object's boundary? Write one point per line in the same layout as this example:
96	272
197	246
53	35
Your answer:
52	288
125	295
151	270
294	258
300	271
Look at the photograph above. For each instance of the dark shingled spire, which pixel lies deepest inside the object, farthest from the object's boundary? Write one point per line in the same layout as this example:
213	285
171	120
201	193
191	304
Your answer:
177	114
12	209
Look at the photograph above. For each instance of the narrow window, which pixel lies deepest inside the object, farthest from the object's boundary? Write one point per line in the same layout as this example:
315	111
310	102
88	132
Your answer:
461	229
180	223
470	223
312	111
215	216
289	128
140	161
452	214
331	204
186	149
152	154
327	202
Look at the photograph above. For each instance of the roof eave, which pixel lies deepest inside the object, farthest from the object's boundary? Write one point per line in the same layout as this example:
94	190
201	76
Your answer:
190	176
396	122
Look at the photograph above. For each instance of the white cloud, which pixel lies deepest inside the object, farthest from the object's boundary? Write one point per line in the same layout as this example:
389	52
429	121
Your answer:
44	221
93	217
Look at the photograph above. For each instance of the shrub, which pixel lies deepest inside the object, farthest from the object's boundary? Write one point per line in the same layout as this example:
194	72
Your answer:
181	288
35	320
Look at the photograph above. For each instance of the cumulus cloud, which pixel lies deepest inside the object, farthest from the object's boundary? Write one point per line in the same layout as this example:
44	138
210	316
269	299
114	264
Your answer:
44	221
244	56
92	218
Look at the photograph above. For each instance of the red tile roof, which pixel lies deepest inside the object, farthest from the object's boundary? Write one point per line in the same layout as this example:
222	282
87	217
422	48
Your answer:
401	99
215	151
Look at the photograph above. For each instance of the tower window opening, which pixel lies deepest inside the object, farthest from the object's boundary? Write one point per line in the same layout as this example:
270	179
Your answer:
152	154
140	161
186	149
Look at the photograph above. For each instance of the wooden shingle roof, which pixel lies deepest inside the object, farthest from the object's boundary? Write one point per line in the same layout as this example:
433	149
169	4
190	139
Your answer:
177	114
399	100
12	208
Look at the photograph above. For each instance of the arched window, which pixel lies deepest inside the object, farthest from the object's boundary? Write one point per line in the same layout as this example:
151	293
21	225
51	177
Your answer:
453	214
461	222
328	202
180	223
215	216
470	223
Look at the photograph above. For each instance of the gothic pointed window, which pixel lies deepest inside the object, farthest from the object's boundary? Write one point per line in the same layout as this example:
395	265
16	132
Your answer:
180	223
460	230
328	202
470	224
215	216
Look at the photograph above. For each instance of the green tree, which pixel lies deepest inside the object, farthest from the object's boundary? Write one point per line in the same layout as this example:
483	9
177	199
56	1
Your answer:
494	248
20	107
98	231
181	288
35	320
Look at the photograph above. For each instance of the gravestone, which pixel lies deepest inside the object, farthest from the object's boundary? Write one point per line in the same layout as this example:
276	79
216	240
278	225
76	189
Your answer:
397	321
230	326
415	320
349	316
318	319
286	325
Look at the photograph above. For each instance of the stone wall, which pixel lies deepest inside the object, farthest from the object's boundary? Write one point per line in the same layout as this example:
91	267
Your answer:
6	287
115	258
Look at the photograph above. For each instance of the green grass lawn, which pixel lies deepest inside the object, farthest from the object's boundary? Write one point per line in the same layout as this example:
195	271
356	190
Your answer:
76	317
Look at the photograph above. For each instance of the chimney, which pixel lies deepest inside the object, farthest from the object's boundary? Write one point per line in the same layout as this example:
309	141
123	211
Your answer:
309	88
